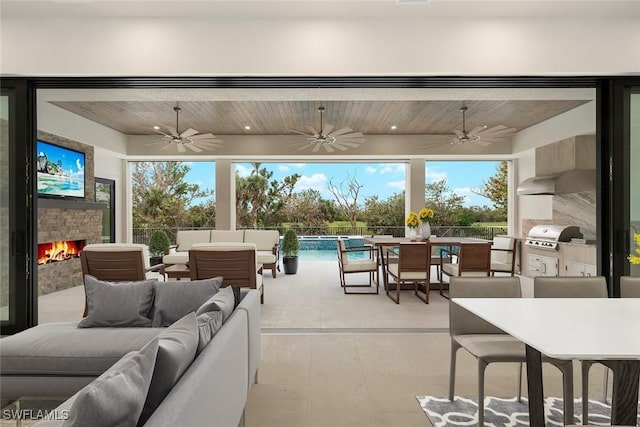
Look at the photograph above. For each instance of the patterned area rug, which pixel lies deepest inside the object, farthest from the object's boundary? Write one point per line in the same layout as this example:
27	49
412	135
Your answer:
504	412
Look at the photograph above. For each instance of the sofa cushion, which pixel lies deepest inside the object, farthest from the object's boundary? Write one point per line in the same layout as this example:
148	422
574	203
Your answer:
265	257
176	258
118	304
186	238
63	349
117	396
227	236
208	324
177	349
264	240
223	301
116	247
174	299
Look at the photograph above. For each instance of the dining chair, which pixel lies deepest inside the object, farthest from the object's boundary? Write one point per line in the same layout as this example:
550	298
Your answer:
234	262
413	266
473	259
503	255
347	266
481	339
117	262
573	287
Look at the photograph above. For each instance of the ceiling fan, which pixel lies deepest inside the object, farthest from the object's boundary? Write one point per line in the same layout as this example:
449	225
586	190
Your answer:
190	138
478	136
481	135
341	139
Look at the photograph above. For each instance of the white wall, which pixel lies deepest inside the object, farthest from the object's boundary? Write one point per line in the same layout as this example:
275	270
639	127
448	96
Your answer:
109	150
317	46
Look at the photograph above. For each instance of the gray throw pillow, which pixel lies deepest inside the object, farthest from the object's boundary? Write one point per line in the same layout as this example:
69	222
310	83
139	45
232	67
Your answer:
176	350
175	299
114	304
117	396
223	301
208	325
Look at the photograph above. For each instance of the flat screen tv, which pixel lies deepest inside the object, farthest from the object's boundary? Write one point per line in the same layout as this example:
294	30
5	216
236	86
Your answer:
60	171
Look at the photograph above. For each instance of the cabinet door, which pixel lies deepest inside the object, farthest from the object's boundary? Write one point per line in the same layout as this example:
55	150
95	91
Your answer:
573	268
590	270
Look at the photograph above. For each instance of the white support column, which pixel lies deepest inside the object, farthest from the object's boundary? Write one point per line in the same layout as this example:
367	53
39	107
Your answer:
512	205
415	185
225	195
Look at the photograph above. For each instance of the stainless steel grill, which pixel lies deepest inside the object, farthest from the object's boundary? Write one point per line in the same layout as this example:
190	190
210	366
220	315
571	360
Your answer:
548	236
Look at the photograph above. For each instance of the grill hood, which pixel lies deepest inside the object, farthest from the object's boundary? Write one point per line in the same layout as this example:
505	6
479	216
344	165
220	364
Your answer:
571	181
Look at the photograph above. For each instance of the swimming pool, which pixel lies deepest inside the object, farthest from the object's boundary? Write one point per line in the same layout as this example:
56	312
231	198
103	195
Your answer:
323	248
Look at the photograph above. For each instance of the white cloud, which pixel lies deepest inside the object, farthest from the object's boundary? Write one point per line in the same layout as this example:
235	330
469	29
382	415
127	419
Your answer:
433	176
298	165
398	185
317	181
392	168
242	170
283	168
370	170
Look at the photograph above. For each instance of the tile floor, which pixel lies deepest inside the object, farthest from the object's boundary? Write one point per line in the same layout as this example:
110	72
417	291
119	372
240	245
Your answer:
336	360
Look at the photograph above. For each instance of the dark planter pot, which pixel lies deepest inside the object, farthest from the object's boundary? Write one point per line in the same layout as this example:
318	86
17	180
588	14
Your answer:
290	264
155	260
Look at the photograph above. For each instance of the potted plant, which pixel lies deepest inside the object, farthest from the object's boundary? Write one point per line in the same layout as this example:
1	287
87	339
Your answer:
290	249
158	246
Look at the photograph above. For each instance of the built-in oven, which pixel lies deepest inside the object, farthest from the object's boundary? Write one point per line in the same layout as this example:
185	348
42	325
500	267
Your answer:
541	265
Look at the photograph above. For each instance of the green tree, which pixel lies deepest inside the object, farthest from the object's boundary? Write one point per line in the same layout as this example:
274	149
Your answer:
161	195
496	189
389	212
447	206
307	207
259	202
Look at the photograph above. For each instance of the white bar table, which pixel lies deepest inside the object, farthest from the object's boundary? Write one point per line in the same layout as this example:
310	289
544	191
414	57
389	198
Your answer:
606	330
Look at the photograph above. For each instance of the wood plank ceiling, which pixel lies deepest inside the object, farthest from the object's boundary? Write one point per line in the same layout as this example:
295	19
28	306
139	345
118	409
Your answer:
279	117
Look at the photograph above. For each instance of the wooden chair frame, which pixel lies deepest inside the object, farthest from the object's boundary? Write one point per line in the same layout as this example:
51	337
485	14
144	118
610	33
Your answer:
413	257
343	253
512	251
472	258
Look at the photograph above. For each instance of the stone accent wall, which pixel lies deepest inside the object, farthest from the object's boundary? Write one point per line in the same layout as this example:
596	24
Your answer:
74	223
65	224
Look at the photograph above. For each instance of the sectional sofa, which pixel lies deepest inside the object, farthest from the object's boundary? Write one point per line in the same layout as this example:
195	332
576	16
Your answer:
266	241
61	360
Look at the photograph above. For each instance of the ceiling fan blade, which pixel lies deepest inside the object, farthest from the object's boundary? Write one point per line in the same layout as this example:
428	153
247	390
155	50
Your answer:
187	133
316	148
328	148
347	144
302	133
172	131
193	148
459	133
203	136
327	129
340	147
482	142
342	131
304	147
181	148
166	146
313	131
477	130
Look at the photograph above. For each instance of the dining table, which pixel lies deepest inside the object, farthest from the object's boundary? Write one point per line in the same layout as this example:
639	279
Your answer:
382	242
605	330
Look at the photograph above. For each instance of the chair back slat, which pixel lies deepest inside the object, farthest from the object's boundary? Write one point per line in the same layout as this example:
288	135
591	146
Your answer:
112	266
237	267
414	257
474	257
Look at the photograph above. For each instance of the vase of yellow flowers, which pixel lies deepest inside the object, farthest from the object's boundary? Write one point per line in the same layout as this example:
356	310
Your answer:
413	223
425	215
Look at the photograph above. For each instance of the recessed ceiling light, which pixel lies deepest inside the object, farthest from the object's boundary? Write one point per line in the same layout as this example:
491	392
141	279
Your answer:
394	127
156	127
247	127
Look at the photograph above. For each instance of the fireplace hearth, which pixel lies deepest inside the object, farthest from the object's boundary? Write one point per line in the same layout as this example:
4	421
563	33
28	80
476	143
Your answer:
62	250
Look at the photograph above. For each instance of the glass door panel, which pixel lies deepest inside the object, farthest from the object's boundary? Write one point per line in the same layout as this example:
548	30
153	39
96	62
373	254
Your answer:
6	305
634	181
105	193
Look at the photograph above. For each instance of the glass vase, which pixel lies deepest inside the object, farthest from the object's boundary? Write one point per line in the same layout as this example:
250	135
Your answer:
425	230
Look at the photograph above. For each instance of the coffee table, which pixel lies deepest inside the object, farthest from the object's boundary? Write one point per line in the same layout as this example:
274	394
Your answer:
602	329
178	271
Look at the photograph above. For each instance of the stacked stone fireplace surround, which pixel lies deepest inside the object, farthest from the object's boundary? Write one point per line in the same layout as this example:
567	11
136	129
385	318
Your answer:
73	219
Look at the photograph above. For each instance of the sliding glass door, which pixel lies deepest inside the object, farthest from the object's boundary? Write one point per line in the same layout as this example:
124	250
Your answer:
634	182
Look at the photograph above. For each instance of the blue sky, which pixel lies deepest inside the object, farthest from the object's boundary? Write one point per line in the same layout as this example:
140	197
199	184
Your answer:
383	179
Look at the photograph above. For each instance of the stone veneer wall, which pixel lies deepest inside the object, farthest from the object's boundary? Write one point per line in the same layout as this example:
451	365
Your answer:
77	222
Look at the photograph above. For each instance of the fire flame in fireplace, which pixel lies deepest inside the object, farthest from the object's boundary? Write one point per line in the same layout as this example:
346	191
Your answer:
59	251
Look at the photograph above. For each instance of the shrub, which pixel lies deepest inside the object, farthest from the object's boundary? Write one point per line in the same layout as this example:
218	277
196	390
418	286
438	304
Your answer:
290	244
159	243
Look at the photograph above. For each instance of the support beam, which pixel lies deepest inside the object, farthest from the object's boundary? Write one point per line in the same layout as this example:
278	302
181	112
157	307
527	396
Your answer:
225	195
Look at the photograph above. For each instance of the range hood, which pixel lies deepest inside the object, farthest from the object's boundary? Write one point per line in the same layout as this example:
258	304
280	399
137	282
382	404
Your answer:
571	181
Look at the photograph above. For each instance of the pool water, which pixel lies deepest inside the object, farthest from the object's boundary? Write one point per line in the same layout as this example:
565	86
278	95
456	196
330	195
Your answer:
324	248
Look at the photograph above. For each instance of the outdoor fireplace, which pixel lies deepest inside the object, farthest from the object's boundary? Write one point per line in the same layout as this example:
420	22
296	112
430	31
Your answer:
59	251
